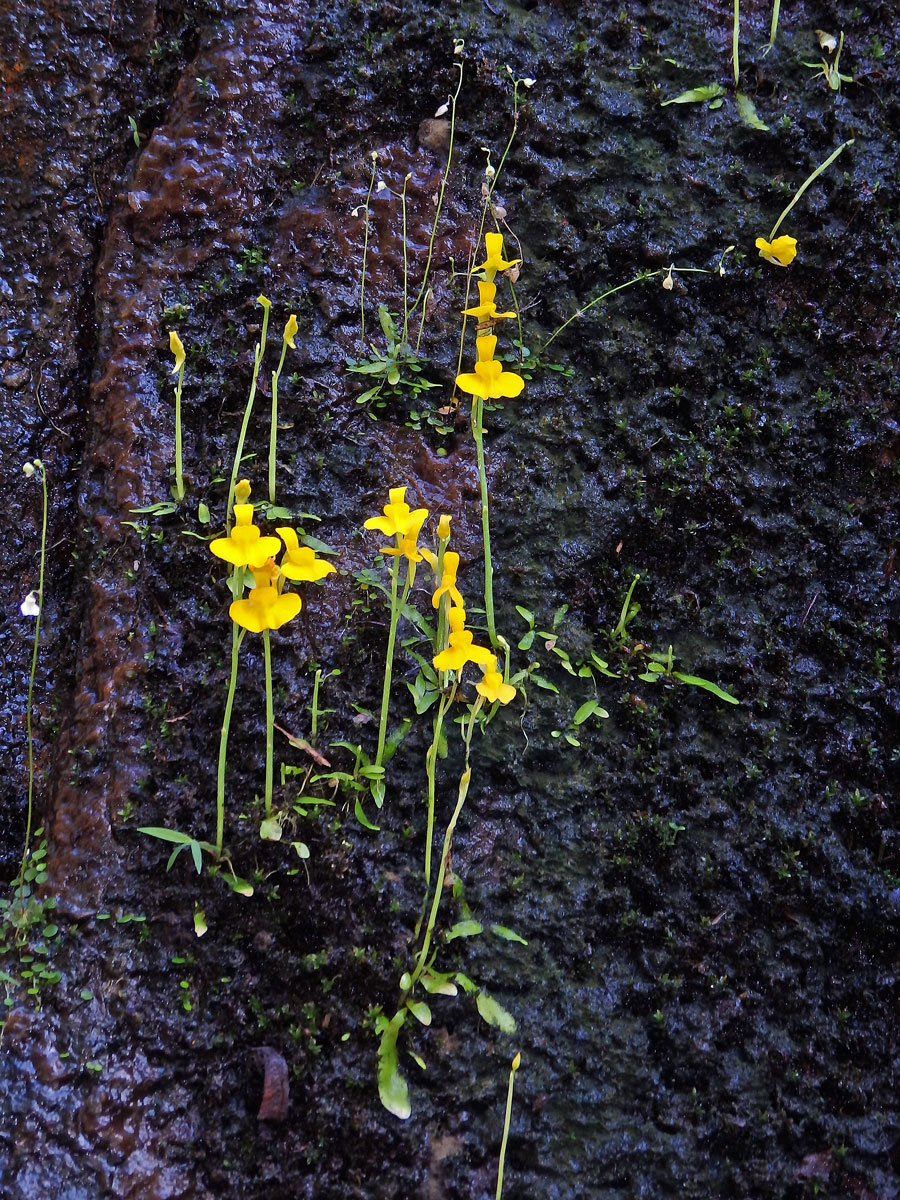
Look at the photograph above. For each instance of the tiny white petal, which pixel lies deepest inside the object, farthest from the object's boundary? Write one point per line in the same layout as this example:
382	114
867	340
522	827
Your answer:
444	108
28	469
29	606
529	83
380	186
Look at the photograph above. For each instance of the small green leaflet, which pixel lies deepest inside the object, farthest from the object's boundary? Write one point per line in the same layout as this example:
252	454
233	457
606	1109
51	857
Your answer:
464	929
747	112
696	681
494	1013
508	935
392	1089
697	95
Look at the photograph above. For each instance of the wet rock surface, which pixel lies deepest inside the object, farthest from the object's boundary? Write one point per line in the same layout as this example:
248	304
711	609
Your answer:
707	1000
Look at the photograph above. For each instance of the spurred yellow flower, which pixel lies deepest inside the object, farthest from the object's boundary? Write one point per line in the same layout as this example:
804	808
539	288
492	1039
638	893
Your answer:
782	251
492	686
265	607
443	529
290	331
486	309
490	381
408	542
461	648
447	586
300	562
493	243
177	349
245	546
397	519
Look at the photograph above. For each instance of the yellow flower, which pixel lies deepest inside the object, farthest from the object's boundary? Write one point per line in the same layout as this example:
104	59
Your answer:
245	546
492	686
397	517
493	243
178	350
461	649
486	309
490	381
447	586
443	529
290	331
781	252
265	607
300	562
408	542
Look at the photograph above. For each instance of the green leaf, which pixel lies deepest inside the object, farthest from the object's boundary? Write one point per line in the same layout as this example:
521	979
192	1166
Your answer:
417	1058
420	1011
392	1089
316	544
466	983
362	818
494	1013
161	509
438	984
464	929
203	513
508	935
270	829
197	854
238	885
389	329
747	112
368	394
706	684
527	641
585	710
525	614
166	835
697	95
545	684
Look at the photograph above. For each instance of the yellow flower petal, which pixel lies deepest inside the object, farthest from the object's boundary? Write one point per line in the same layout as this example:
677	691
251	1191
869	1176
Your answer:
265	609
782	251
242	491
178	350
290	331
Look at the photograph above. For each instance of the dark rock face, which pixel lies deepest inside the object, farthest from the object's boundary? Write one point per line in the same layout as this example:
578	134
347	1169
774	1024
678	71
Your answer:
709	893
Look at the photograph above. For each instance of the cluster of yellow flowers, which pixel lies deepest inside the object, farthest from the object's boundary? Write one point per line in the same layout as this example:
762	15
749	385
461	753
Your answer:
489	381
405	525
268	605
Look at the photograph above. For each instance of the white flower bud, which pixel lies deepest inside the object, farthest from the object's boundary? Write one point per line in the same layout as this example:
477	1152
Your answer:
380	186
444	108
29	606
529	83
28	469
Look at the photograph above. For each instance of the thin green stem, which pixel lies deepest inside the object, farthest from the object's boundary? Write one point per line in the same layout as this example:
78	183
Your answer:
514	1066
270	721
179	472
642	278
389	658
431	770
735	34
38	465
257	362
314	724
803	186
421	298
404	341
237	636
465	780
273	425
362	281
773	28
478	434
